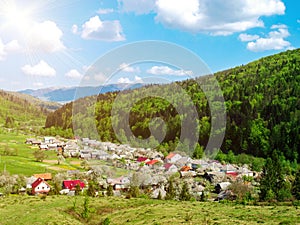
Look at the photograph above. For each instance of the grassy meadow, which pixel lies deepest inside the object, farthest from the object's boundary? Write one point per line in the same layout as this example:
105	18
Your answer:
67	210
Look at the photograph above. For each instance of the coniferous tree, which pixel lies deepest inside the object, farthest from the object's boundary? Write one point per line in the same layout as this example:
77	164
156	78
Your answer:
171	191
185	193
296	186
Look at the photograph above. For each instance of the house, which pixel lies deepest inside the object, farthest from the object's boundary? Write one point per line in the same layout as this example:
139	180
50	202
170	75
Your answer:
185	168
32	141
173	157
43	147
120	183
49	140
142	159
45	176
73	184
171	168
40	187
223	186
152	162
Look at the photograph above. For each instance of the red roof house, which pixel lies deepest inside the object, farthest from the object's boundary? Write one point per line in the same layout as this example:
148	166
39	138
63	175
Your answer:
39	186
172	157
142	159
152	162
71	184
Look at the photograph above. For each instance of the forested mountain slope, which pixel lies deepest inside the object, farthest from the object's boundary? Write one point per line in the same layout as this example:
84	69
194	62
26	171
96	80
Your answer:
262	104
19	112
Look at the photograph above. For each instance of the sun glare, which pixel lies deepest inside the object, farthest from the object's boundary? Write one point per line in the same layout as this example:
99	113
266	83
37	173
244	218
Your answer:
17	17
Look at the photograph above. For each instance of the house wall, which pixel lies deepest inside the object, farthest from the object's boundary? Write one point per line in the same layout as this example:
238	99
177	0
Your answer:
41	188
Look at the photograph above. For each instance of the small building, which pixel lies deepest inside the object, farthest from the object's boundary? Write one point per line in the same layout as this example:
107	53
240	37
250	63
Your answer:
44	176
49	140
173	157
73	184
120	183
171	168
40	187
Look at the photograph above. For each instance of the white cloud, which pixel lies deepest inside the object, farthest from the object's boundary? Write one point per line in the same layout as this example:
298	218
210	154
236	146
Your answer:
105	11
38	84
74	29
215	17
13	46
102	30
126	80
165	70
10	47
2	51
298	21
74	74
137	6
45	36
248	37
100	77
41	69
129	69
275	40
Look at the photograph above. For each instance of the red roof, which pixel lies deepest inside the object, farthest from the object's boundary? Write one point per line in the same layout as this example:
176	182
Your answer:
152	162
167	165
171	155
71	184
142	159
232	173
37	183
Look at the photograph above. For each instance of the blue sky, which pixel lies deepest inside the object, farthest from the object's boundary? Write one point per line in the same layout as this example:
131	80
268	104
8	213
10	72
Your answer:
52	43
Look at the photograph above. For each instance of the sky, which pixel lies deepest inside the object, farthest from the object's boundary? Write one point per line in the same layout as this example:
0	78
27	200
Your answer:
54	43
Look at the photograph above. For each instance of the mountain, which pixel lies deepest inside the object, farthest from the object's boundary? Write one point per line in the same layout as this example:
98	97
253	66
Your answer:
63	95
262	105
17	111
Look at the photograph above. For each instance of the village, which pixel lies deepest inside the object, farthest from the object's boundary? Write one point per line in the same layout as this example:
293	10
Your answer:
148	170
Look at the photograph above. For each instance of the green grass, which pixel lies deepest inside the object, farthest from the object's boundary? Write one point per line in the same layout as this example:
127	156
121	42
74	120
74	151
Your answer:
59	210
23	162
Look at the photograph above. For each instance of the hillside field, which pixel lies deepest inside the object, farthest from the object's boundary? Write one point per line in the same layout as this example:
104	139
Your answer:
60	210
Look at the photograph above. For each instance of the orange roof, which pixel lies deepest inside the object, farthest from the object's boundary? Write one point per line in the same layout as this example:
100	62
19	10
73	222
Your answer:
185	168
152	162
171	155
45	176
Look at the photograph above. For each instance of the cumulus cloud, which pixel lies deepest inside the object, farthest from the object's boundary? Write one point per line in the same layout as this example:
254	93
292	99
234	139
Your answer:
129	69
248	37
215	17
275	40
38	84
126	80
73	74
45	36
100	77
41	69
96	29
10	47
165	70
137	6
105	11
74	29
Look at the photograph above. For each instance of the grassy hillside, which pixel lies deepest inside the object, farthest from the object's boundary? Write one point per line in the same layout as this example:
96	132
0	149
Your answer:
50	106
60	210
262	104
20	112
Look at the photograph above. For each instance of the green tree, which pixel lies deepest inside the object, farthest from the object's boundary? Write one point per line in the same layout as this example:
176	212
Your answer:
185	193
272	184
110	190
296	186
39	155
170	190
198	152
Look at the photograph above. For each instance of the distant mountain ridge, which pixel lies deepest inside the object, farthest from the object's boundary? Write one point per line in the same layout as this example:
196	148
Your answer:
63	95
